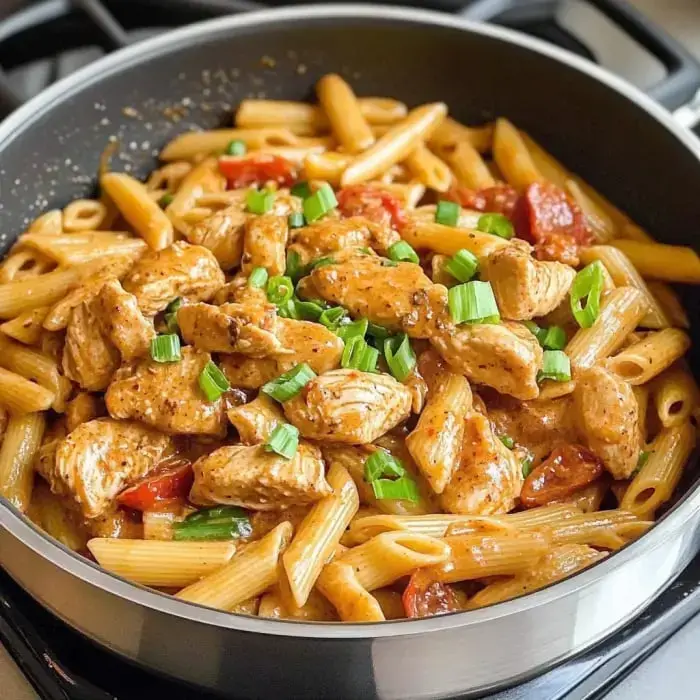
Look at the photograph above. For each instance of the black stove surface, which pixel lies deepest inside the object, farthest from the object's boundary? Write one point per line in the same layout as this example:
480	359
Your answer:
55	37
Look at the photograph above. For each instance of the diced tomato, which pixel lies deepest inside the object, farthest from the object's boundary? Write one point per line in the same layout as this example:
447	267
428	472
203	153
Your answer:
256	169
425	596
373	203
553	222
499	199
567	469
165	485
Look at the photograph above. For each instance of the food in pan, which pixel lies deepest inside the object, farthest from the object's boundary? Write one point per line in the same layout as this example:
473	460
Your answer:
345	361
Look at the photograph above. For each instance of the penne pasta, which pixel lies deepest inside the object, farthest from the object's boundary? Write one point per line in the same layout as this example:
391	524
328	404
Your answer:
450	132
512	156
24	264
53	514
19	447
23	396
83	215
339	584
438	238
469	167
27	327
599	222
326	166
76	248
49	223
675	396
608	529
668	300
669	263
428	169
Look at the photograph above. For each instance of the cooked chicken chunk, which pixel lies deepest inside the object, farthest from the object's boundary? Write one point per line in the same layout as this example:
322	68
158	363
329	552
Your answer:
524	287
303	341
264	244
252	477
256	420
607	415
332	235
222	232
237	290
349	406
83	408
248	372
167	396
489	477
100	458
248	329
504	356
182	270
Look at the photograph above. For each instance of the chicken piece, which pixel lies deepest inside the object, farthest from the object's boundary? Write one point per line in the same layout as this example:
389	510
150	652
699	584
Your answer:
349	406
182	270
264	244
536	426
237	290
252	477
100	458
248	372
332	235
83	408
489	477
312	343
167	396
607	414
256	420
504	356
222	232
248	329
524	287
88	357
122	322
368	288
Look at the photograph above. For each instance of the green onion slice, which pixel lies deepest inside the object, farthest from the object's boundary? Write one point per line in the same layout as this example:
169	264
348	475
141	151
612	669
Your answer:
358	355
171	315
301	189
447	213
496	224
260	201
538	332
403	489
379	333
213	382
643	458
166	200
295	269
473	302
399	356
317	205
279	289
295	220
508	441
463	265
555	366
166	348
402	252
236	148
330	318
526	466
258	277
289	309
217	523
322	262
309	310
216	513
289	384
381	464
283	441
554	338
355	329
588	286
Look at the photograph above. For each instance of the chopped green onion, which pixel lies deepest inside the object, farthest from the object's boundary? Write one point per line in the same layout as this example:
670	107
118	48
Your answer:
365	250
317	205
538	332
496	224
166	200
554	338
330	318
283	441
381	464
588	285
216	513
258	277
322	262
260	202
289	309
309	310
171	315
217	523
508	441
402	252
279	289
526	466
236	148
296	220
213	382
358	355
301	189
379	333
643	458
166	348
447	213
473	302
463	265
403	489
295	270
289	384
399	356
555	366
174	305
389	263
355	329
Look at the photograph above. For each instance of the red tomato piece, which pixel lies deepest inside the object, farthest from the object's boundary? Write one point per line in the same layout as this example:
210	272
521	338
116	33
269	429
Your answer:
425	596
160	488
567	469
256	169
499	199
373	203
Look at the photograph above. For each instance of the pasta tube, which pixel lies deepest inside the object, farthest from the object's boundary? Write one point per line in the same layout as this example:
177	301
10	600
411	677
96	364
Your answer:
19	448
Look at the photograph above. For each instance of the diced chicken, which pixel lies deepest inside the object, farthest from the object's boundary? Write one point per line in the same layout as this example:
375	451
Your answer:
256	420
99	459
489	477
83	408
607	414
248	329
312	343
524	287
332	235
349	406
252	477
167	396
182	270
504	356
237	290
222	232
122	322
264	244
248	372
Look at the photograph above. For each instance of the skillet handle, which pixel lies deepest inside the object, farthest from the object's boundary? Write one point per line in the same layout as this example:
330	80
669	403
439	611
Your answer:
682	80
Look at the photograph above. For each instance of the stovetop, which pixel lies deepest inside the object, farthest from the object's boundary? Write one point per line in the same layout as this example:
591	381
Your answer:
55	37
